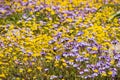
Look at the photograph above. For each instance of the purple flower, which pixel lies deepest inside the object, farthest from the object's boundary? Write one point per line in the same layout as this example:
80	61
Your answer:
46	69
74	50
79	59
86	59
86	70
59	35
65	54
117	56
55	25
43	53
30	53
53	77
82	44
88	65
118	64
23	50
72	54
114	42
114	72
51	41
75	65
70	63
99	63
60	76
94	75
79	33
85	77
2	44
55	48
64	39
24	16
107	66
91	40
57	57
81	72
89	49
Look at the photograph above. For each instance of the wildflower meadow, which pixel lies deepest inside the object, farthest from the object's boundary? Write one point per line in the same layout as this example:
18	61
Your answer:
59	39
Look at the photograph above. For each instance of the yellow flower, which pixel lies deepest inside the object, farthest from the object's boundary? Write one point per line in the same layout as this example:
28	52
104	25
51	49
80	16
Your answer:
14	53
25	0
47	61
34	77
61	67
14	58
56	65
62	60
25	58
29	70
3	11
31	13
38	2
2	75
18	78
94	48
56	61
64	15
112	62
33	63
11	27
34	27
71	60
48	9
21	70
94	55
45	75
1	62
87	55
64	64
69	20
35	54
1	55
39	68
95	70
49	57
104	74
52	12
110	72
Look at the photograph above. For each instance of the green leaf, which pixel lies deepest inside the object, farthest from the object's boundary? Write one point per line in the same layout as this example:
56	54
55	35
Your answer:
108	5
117	14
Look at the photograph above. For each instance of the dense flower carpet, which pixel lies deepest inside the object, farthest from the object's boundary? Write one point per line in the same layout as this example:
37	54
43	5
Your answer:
59	40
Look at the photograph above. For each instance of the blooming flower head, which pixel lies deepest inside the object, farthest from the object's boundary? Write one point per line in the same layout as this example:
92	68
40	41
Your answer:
103	73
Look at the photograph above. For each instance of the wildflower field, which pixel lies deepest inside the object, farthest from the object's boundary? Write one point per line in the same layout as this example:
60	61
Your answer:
59	40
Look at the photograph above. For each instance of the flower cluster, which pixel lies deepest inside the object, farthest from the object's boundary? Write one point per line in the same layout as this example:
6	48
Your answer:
58	40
